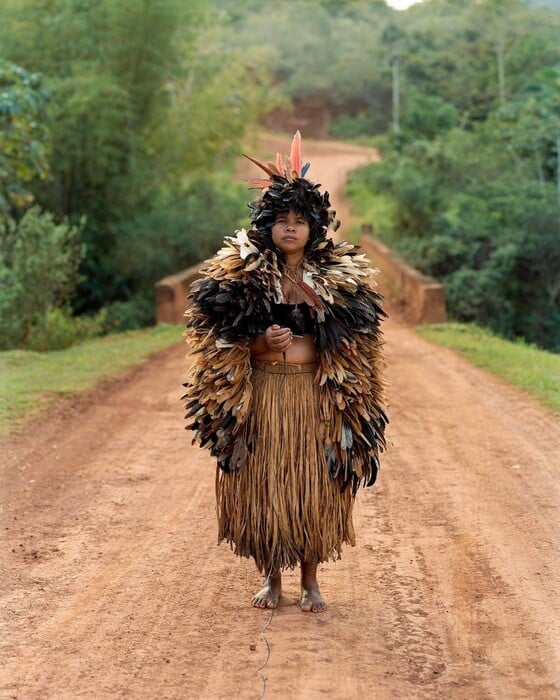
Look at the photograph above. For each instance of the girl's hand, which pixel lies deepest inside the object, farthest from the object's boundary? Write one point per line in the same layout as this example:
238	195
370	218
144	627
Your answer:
278	339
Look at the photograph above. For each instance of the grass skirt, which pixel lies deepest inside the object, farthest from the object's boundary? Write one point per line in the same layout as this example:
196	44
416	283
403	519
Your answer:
282	506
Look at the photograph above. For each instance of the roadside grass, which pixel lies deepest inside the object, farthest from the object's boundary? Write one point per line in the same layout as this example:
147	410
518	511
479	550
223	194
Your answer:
370	207
381	210
531	369
31	381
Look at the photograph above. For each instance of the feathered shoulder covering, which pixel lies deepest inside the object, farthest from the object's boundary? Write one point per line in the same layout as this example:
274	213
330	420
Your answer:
231	303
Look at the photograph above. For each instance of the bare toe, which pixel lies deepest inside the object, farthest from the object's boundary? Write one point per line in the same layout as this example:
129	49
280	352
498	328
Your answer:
312	601
267	597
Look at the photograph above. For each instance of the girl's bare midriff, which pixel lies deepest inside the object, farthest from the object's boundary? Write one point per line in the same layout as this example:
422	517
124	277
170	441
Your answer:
301	351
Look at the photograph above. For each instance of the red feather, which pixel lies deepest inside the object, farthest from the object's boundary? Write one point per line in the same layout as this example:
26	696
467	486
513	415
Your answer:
295	153
310	294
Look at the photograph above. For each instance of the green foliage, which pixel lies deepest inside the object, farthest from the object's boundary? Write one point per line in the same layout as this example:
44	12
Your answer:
128	315
39	262
59	330
475	56
367	189
183	227
427	116
93	145
529	126
483	223
24	136
479	209
143	95
458	61
347	126
333	61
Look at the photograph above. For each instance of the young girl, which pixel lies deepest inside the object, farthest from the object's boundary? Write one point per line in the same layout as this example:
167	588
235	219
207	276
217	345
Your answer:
286	387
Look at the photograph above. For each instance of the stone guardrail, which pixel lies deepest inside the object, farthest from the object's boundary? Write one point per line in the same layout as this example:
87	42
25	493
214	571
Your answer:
171	295
420	299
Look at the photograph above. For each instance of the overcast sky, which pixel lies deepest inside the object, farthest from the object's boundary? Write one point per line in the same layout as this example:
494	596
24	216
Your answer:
401	4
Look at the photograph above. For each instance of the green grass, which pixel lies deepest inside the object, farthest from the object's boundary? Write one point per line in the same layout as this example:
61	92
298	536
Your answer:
31	381
375	209
535	371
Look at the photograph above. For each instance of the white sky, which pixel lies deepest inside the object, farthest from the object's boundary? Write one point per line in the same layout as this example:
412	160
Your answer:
401	4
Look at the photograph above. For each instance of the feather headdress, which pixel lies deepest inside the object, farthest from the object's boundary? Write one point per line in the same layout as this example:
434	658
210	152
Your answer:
286	167
288	188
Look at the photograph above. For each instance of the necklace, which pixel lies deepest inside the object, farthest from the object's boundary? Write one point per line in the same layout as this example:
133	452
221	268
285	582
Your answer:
294	273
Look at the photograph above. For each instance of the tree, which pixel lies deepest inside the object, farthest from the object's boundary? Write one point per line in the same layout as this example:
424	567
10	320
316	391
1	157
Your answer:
39	263
137	104
24	136
394	37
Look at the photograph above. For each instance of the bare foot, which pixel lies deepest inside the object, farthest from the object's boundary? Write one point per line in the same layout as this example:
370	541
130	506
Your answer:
269	594
311	600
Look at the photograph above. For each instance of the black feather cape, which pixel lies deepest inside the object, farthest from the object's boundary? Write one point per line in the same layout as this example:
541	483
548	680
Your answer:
230	304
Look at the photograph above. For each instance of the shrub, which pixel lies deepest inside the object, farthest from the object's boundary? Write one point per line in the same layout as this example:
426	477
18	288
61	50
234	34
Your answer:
466	213
347	126
427	116
60	330
183	227
39	262
128	315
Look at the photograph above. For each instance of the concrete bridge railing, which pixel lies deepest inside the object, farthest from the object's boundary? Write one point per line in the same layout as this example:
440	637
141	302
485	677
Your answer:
171	295
421	299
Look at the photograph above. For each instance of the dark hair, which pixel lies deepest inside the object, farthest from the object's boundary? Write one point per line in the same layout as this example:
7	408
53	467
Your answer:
298	194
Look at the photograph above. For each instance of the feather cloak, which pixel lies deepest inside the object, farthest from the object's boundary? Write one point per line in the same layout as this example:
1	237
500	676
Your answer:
231	303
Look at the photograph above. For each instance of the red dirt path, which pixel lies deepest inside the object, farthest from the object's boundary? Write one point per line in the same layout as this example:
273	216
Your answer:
113	586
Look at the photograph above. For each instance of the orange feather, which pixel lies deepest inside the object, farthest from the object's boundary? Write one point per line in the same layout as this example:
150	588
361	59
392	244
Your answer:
267	170
262	184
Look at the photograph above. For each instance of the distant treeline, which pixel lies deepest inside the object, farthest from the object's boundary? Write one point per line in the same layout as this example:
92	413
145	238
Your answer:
119	120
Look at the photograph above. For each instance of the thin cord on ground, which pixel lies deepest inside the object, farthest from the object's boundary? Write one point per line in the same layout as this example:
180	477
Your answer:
264	665
271	569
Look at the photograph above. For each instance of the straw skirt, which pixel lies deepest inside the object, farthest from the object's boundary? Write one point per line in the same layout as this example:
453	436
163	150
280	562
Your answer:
282	506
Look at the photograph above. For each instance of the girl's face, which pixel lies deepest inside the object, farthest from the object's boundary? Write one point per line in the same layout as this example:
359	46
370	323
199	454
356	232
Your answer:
290	233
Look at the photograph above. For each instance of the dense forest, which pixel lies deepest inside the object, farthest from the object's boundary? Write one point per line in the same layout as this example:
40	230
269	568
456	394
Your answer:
120	121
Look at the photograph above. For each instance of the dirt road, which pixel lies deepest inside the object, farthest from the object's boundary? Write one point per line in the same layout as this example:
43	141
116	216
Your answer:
113	586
